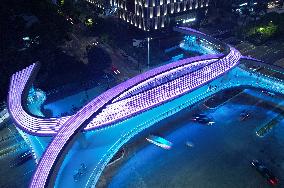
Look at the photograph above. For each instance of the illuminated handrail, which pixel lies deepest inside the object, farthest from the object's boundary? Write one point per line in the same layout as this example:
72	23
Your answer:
75	123
104	109
50	126
25	121
244	78
162	93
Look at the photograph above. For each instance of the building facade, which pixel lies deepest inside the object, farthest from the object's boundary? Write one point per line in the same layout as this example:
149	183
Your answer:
250	7
155	14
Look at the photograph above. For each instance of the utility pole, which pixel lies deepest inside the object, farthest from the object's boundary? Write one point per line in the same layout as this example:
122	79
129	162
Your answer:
148	63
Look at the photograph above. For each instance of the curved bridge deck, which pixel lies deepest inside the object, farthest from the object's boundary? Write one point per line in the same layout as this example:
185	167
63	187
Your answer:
125	110
97	154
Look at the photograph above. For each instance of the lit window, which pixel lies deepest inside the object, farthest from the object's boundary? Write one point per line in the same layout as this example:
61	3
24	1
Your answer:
172	8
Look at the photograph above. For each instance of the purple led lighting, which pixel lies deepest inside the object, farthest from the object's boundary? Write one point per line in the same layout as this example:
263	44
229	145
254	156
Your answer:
29	123
168	75
192	30
168	91
75	122
123	101
49	126
251	58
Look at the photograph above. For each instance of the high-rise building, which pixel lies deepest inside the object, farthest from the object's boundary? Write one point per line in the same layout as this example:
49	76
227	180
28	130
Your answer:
156	14
255	6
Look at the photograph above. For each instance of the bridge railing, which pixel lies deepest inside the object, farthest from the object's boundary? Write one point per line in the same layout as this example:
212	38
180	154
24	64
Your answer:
239	77
165	77
127	136
133	105
21	81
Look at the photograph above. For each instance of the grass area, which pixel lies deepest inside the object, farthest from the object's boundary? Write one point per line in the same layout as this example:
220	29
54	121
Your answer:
28	18
59	69
269	26
265	31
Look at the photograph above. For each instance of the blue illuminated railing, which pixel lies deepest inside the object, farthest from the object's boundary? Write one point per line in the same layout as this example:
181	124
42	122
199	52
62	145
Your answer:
163	92
136	95
66	127
50	126
157	96
127	136
239	78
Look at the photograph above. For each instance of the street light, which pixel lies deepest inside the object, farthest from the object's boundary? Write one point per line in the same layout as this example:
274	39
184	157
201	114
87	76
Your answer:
148	40
148	64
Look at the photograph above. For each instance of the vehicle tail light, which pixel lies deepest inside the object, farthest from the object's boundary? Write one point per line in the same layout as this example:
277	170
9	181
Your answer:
273	181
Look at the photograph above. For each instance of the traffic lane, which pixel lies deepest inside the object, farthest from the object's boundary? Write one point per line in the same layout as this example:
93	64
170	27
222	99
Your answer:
261	94
270	52
220	158
269	149
18	176
10	141
273	57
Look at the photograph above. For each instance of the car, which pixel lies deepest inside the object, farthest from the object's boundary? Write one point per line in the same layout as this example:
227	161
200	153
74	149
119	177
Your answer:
159	141
265	172
268	93
255	68
206	121
114	70
189	144
203	119
80	172
199	116
22	158
244	115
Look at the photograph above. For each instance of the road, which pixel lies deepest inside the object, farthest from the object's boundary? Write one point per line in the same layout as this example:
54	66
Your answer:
271	52
221	154
12	146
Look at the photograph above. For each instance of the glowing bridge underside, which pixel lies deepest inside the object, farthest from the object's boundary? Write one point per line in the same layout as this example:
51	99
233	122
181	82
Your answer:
127	99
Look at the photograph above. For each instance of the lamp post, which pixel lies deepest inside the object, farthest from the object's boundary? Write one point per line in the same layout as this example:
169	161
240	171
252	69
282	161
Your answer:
148	63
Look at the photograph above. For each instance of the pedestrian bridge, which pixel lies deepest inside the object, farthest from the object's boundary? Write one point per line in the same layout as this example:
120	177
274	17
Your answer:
100	128
104	149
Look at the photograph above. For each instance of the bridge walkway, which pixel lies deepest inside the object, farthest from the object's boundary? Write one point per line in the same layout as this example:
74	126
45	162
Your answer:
96	148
